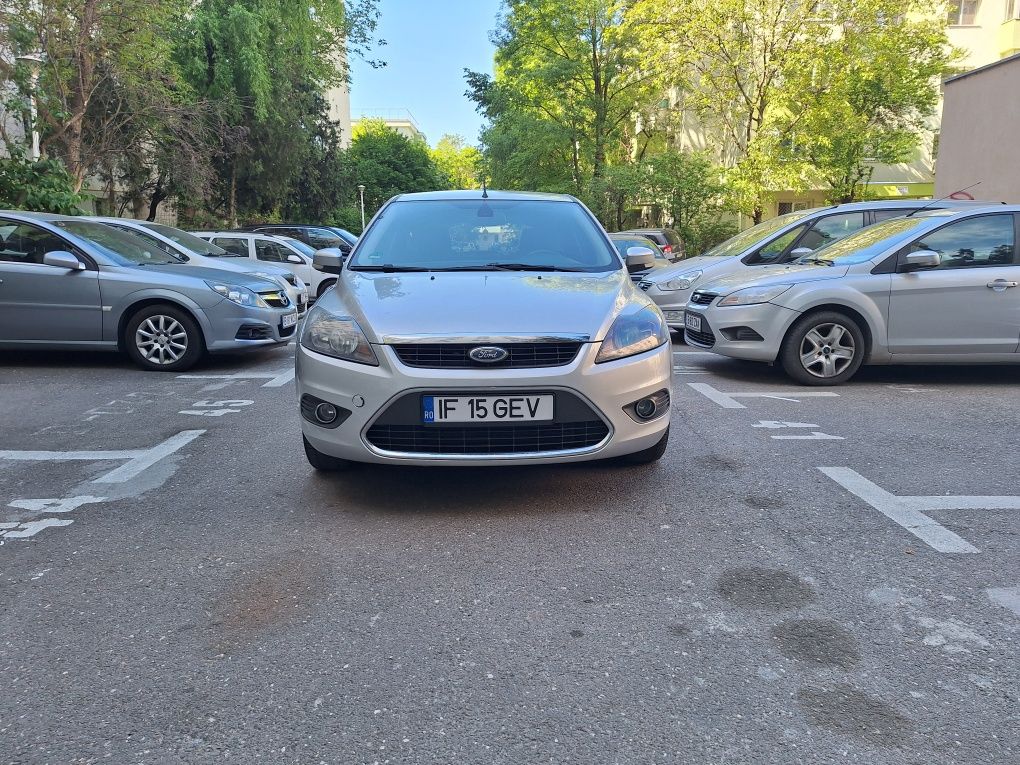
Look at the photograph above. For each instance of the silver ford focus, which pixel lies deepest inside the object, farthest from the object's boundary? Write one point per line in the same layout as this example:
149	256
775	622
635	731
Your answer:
483	329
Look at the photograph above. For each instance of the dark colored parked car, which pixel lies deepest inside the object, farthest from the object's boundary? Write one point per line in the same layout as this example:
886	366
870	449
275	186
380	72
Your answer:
669	241
317	237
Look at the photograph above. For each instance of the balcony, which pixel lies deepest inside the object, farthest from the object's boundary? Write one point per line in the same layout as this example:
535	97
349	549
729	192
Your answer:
1009	38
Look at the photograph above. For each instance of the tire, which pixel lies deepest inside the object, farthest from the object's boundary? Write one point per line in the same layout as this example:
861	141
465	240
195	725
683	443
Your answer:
648	456
824	348
163	338
323	286
323	462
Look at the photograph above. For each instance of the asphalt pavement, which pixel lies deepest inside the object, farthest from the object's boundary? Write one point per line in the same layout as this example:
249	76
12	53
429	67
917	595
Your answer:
808	576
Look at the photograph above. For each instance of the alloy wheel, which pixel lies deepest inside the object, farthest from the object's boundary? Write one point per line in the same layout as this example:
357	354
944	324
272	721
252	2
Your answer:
161	339
827	350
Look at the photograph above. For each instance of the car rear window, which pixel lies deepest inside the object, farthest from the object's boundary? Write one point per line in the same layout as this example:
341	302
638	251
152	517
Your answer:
485	234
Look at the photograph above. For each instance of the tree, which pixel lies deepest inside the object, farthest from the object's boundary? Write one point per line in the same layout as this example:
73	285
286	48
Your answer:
576	65
43	186
459	162
881	91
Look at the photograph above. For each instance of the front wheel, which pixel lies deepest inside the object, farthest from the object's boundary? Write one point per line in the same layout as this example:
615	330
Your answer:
825	348
651	454
163	338
323	462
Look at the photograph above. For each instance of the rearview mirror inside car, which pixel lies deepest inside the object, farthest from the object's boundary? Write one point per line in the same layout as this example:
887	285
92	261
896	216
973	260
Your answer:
915	261
63	259
327	262
640	259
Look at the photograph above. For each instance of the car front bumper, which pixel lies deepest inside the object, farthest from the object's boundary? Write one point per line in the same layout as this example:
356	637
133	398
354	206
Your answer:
723	330
605	388
234	327
672	303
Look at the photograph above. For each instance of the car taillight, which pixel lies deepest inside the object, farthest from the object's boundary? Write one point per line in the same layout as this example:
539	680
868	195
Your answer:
668	249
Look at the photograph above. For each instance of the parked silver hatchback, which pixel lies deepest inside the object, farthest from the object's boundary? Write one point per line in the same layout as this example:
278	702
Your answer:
70	283
936	287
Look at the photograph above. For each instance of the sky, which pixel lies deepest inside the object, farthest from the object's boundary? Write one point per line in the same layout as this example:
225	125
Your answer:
429	43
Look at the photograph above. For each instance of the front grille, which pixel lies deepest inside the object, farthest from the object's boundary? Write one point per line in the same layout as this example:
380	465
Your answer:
704	338
275	299
455	355
703	298
645	285
287	331
487	439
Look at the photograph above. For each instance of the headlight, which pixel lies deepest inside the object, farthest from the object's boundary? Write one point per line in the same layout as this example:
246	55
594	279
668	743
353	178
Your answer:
684	282
236	294
337	336
754	295
634	332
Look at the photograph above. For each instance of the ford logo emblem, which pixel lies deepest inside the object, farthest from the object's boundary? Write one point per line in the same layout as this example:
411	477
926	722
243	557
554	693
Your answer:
488	354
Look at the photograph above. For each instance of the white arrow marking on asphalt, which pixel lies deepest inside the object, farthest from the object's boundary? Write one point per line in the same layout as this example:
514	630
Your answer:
816	436
782	424
908	511
55	505
728	400
1007	597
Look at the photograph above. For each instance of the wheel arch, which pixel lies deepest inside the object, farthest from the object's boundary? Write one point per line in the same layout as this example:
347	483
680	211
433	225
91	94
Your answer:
144	302
853	313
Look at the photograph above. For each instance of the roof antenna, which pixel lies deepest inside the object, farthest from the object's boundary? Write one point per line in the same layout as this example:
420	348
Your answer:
485	191
943	199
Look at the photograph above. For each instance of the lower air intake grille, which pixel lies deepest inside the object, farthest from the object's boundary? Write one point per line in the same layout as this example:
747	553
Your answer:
493	439
704	339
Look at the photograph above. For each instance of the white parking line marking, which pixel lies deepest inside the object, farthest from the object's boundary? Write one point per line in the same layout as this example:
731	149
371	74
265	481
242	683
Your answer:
54	505
728	400
36	456
1007	597
32	528
816	436
907	511
280	380
150	457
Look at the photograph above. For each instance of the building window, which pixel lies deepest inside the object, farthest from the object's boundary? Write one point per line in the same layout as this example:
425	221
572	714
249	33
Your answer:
785	207
1012	10
963	13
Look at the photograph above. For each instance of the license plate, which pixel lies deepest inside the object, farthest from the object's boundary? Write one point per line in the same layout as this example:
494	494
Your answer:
692	322
486	408
289	320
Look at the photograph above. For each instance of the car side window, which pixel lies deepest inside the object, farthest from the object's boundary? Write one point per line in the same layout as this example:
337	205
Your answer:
774	250
270	251
24	243
881	215
320	238
830	229
233	245
988	240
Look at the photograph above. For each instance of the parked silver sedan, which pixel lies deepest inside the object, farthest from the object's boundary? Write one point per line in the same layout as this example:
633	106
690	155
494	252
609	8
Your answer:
937	287
483	330
70	283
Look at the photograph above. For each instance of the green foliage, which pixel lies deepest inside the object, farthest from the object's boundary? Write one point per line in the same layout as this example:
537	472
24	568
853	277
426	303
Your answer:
460	163
43	186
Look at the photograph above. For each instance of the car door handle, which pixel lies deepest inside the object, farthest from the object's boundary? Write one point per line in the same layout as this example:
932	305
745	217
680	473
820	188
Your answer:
1001	284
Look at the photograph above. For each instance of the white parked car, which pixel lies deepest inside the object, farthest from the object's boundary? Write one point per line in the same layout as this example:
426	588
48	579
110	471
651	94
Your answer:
285	252
483	330
193	251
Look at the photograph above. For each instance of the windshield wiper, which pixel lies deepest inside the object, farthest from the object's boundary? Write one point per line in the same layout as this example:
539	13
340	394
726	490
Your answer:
817	261
388	268
528	267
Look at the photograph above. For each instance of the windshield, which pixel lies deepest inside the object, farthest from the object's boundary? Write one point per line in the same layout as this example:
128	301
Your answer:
190	241
866	243
298	245
745	240
484	235
117	245
346	235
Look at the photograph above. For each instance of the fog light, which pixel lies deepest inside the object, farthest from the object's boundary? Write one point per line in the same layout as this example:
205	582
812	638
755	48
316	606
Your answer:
325	413
645	408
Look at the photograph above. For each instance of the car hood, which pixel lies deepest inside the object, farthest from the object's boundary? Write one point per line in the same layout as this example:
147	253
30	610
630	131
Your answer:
765	275
236	265
673	270
198	273
484	304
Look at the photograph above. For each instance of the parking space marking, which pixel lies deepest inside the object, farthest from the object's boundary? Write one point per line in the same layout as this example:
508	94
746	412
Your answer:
1007	597
31	528
281	379
728	400
275	379
137	460
909	513
54	505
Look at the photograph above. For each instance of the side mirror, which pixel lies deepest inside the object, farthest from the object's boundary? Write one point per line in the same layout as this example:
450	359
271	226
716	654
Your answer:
327	262
916	261
296	259
800	252
63	259
640	259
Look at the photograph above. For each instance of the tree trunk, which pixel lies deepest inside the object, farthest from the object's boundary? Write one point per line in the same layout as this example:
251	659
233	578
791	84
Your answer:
81	86
232	203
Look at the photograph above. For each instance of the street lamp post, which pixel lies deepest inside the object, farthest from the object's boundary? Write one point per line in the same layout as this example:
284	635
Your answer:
361	192
34	63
